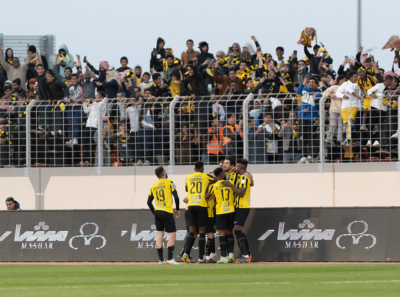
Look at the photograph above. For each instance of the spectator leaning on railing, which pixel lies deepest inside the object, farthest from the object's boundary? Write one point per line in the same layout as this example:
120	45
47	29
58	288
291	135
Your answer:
12	204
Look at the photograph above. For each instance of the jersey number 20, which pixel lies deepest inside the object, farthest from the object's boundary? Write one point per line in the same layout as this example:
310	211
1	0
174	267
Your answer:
198	186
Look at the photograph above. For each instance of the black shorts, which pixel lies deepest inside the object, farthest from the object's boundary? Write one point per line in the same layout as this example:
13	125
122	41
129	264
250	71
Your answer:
187	221
225	221
165	221
198	216
241	216
211	225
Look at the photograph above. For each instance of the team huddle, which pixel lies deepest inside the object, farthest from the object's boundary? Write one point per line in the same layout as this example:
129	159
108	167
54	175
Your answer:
219	200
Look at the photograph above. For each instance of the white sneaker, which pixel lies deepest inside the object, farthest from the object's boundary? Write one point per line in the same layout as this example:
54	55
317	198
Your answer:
139	163
369	143
171	262
376	144
147	163
395	135
161	262
302	160
69	143
75	141
213	256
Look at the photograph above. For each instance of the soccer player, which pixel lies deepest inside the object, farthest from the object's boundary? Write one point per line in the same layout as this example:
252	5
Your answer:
196	185
162	191
242	207
187	221
225	212
230	170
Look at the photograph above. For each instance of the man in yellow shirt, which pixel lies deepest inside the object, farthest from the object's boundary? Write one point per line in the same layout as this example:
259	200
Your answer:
162	192
196	185
225	212
242	190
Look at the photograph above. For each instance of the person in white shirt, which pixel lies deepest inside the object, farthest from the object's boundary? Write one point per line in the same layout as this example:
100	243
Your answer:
91	126
217	109
349	92
272	145
378	111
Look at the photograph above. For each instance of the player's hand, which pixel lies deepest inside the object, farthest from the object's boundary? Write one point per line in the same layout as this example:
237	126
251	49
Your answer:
185	200
226	183
177	213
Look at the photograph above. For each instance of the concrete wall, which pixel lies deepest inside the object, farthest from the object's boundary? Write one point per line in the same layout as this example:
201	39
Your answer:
302	185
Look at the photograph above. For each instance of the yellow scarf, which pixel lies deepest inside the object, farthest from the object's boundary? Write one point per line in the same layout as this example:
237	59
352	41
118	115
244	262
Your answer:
66	56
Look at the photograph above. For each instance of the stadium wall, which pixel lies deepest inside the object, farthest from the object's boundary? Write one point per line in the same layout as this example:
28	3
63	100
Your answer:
308	185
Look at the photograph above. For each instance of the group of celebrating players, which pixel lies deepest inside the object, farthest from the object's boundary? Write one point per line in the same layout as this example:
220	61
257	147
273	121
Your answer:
219	200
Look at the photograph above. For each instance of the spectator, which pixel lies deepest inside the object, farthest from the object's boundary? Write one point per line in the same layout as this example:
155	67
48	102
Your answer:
335	117
101	73
136	75
2	82
204	55
14	70
269	132
55	92
250	88
206	70
256	143
9	56
12	204
225	80
32	52
158	88
161	147
189	54
182	144
65	59
145	83
133	112
17	89
105	142
18	118
301	72
279	54
217	109
256	112
89	87
124	64
73	99
215	142
157	54
125	151
31	88
5	145
308	111
233	134
291	141
91	126
111	84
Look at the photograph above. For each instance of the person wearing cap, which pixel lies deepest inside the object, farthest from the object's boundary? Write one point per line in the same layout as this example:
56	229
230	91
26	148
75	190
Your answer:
204	54
124	64
17	88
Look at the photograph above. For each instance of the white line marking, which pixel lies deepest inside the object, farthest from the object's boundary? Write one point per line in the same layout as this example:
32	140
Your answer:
148	285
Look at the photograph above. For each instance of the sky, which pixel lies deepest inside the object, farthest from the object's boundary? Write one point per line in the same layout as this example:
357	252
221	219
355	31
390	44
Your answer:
108	30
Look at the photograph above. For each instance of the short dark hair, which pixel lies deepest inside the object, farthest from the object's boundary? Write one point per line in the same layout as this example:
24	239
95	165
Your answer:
231	160
340	77
189	40
280	48
248	79
169	56
351	73
22	95
316	47
156	76
66	68
10	199
40	65
231	70
159	171
231	82
314	79
121	123
244	162
388	77
102	93
121	92
381	69
146	73
198	164
229	115
268	114
7	87
147	90
218	171
75	75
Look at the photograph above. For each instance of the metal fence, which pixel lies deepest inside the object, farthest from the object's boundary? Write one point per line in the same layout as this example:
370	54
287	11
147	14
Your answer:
279	128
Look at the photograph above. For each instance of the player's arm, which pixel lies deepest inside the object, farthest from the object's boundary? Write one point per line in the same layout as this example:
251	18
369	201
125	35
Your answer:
211	179
150	202
210	195
176	197
240	192
251	178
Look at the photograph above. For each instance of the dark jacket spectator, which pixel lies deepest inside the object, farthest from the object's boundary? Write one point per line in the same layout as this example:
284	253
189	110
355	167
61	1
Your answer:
159	53
204	55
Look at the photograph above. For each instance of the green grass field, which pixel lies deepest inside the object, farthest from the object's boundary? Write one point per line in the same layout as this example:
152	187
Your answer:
200	280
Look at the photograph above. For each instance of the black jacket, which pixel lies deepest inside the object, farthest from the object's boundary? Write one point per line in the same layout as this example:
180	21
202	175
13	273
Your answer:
313	66
160	52
41	80
197	83
55	90
203	55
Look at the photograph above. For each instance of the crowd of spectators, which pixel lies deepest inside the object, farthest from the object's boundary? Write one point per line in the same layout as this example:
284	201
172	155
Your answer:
359	104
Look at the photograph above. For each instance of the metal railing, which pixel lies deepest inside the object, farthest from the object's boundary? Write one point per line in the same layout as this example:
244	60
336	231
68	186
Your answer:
278	128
